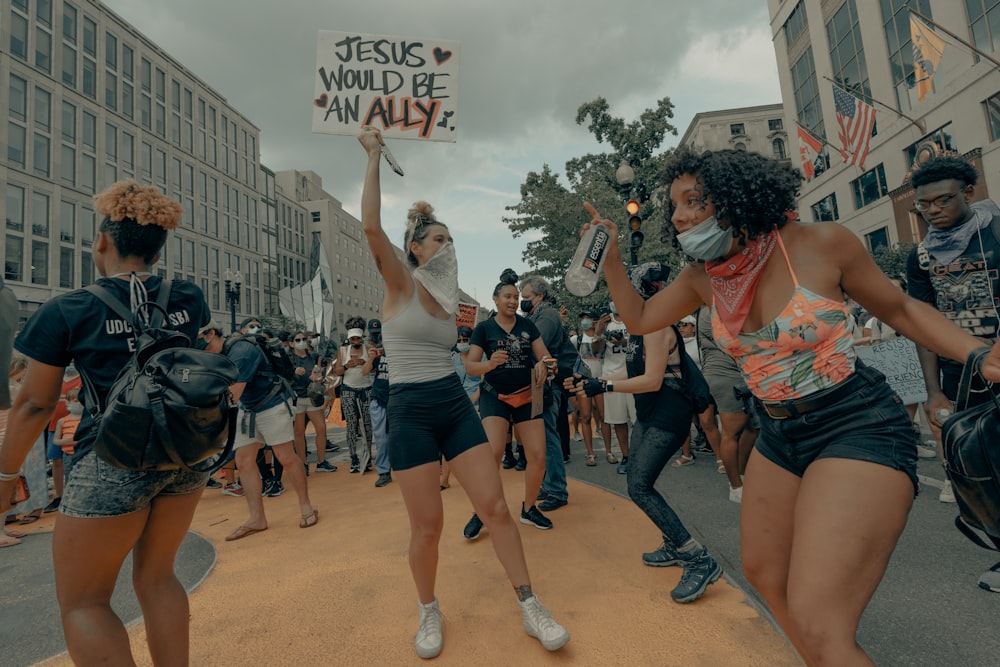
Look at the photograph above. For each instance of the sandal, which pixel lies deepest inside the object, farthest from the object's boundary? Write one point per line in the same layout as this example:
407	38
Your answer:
683	460
612	459
16	534
7	541
591	460
30	518
720	467
309	520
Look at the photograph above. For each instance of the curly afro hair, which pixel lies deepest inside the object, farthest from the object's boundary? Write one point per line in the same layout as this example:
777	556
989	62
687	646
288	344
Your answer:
754	193
944	168
137	218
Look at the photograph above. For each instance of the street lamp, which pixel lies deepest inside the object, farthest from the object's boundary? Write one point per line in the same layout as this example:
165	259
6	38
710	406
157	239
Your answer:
234	281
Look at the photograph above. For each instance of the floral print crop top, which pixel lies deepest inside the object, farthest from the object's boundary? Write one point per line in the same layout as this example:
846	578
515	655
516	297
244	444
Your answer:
807	348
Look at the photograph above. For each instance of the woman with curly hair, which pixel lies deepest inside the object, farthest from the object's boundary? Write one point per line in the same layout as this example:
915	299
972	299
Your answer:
514	351
431	415
833	476
107	512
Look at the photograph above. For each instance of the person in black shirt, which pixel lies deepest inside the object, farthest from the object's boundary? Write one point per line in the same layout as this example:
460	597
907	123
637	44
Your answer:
514	351
107	512
308	370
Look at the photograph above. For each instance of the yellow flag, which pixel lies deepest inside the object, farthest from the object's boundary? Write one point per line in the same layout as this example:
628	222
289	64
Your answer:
927	50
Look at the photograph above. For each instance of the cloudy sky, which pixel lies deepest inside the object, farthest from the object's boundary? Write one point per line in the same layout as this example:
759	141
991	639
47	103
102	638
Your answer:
525	67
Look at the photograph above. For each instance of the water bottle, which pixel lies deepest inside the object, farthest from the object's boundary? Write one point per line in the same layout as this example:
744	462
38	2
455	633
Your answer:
585	269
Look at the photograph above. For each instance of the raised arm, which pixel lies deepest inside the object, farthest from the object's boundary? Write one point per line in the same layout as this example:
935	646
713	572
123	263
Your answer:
398	282
678	299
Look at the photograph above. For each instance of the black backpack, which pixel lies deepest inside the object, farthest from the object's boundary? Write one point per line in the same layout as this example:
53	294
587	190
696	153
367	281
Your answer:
972	458
169	408
280	366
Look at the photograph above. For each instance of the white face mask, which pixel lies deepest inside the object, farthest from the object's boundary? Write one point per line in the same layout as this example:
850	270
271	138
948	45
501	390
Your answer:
253	330
314	340
439	276
75	408
301	345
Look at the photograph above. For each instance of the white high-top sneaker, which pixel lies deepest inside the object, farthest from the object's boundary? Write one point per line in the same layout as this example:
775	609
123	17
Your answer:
538	623
429	639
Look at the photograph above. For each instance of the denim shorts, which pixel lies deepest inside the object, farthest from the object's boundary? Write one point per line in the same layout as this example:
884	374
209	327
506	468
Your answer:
431	419
96	489
869	424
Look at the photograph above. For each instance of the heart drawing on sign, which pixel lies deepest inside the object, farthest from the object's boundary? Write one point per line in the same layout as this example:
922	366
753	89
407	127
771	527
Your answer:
321	101
440	55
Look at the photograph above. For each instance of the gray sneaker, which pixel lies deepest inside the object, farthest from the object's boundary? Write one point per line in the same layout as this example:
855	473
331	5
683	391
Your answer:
429	639
473	528
700	571
990	581
622	466
665	556
538	623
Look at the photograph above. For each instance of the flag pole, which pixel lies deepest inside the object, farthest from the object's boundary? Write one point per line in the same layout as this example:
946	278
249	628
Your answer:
839	149
954	36
918	123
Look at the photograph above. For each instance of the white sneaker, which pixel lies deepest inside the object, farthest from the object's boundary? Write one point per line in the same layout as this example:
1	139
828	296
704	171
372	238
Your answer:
927	450
429	638
538	623
947	493
736	495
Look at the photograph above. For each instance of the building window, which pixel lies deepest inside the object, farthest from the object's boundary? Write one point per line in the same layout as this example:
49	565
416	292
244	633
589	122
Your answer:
69	66
111	90
778	148
43	12
128	59
15	208
796	23
90	78
89	36
69	23
775	125
806	92
67	221
88	226
89	131
992	108
13	267
88	173
86	269
67	259
43	109
110	51
68	121
870	187
942	137
984	22
43	50
128	101
896	23
877	240
128	151
41	157
19	36
39	263
146	75
825	210
847	52
736	129
67	165
17	138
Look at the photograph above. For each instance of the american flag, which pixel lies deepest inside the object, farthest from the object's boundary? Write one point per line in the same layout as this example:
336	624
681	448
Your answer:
856	119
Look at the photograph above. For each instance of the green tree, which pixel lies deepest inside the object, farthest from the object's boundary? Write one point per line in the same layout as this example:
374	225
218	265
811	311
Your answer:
892	260
551	214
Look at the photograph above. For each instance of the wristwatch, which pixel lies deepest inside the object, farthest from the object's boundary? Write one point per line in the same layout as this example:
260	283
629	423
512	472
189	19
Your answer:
609	386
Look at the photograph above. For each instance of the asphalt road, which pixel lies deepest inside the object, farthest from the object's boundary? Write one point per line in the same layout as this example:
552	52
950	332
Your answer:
928	611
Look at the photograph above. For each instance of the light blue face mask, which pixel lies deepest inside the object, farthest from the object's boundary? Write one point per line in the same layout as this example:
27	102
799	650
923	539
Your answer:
586	323
706	240
463	347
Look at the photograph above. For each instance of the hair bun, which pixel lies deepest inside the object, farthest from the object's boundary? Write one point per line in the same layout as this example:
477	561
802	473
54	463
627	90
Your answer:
508	277
142	204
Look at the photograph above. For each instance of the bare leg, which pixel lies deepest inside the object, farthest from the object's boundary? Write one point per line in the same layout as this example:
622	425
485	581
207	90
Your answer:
732	423
621	432
246	460
531	435
295	473
583	421
163	599
319	425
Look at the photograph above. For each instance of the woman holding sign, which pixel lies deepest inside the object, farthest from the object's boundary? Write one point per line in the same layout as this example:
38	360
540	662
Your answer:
431	415
833	475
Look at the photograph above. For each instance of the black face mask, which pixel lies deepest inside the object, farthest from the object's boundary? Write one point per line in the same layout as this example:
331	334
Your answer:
356	346
527	306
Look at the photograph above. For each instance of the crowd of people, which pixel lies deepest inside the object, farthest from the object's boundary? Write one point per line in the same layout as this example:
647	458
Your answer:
748	355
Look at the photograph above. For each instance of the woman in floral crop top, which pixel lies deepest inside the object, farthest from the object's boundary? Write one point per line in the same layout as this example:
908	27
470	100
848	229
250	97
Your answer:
832	479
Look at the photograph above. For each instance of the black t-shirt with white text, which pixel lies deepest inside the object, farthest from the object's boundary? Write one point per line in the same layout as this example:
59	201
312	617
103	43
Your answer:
516	372
79	328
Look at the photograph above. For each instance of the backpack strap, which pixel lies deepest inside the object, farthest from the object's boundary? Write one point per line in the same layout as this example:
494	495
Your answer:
115	304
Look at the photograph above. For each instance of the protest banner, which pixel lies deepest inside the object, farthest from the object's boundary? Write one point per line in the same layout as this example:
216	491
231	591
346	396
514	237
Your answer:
405	87
897	360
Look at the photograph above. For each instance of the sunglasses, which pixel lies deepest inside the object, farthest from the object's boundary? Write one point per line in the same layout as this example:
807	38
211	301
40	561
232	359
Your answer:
298	340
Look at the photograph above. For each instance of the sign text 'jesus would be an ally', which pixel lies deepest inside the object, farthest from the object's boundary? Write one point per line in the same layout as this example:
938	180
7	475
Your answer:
405	87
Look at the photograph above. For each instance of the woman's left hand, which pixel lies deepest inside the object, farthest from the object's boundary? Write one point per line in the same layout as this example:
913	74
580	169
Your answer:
541	373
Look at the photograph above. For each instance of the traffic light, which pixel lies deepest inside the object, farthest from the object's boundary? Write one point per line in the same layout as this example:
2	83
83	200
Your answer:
635	224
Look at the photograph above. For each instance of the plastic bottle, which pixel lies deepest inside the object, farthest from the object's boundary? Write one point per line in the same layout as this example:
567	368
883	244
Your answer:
585	269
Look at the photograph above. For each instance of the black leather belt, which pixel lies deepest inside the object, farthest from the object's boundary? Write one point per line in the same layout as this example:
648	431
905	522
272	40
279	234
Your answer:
787	409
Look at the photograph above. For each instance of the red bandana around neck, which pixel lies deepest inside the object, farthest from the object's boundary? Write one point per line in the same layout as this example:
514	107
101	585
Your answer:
734	280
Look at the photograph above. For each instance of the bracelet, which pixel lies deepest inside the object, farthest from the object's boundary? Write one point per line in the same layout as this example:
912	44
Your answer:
9	476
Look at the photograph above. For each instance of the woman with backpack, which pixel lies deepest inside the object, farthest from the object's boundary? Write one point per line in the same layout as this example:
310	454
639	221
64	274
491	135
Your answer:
431	415
665	390
308	371
108	512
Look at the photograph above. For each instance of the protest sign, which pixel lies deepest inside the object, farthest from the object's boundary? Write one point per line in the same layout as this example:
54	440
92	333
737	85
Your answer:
897	360
466	315
405	87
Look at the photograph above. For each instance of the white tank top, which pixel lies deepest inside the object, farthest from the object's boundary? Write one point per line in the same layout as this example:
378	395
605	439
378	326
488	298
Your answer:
419	344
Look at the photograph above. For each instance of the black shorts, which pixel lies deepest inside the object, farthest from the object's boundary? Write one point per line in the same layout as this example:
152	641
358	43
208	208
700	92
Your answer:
428	420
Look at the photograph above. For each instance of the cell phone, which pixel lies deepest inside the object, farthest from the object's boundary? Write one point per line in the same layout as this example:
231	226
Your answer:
20	493
391	160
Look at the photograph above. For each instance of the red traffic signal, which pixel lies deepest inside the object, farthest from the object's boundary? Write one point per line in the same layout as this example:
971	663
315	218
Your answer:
632	208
